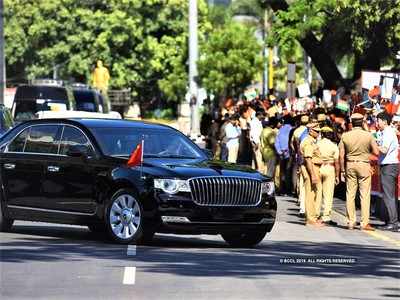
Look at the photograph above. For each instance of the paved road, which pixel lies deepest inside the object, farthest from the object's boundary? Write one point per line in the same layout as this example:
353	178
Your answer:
39	261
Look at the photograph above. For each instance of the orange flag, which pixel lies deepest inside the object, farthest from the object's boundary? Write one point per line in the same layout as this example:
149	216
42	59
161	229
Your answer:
136	157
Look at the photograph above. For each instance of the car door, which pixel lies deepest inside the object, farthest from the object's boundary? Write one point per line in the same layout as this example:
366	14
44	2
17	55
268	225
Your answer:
22	165
68	183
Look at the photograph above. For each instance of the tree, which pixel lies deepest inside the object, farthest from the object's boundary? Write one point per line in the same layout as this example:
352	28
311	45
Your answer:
230	60
143	42
330	29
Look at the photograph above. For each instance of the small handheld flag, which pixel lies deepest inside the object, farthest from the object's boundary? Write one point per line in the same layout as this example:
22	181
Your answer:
136	157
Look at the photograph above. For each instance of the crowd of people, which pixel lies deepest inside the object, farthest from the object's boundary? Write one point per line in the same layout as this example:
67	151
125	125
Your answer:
309	152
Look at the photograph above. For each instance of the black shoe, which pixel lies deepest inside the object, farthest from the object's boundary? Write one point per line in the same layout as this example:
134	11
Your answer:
331	223
390	227
302	215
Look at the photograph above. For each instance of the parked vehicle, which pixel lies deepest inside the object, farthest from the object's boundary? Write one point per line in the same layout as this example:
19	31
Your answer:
6	121
29	99
89	100
75	172
74	114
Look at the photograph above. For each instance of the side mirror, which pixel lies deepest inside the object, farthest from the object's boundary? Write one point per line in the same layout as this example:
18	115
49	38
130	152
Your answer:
209	153
77	151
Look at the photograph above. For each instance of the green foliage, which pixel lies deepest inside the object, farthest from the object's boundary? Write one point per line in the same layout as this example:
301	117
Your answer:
345	27
142	42
230	59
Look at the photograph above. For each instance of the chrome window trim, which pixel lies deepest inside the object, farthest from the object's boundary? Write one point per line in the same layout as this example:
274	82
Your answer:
59	143
51	210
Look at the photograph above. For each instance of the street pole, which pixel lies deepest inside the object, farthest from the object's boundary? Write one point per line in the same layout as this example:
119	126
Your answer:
2	60
307	68
193	57
264	55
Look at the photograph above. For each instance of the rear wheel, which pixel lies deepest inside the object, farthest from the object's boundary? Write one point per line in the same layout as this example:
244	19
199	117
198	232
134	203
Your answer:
124	218
244	238
5	223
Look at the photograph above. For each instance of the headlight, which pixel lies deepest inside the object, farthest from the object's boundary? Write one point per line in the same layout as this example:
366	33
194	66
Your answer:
171	186
268	188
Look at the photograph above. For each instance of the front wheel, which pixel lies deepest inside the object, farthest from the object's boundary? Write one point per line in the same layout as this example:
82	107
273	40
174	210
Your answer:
124	218
244	239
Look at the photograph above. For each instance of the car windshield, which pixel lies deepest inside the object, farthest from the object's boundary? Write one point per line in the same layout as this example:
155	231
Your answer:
163	143
26	110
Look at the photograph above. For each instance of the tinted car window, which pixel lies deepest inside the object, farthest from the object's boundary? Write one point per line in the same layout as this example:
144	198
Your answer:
85	100
157	142
31	99
6	121
74	137
18	144
41	92
43	139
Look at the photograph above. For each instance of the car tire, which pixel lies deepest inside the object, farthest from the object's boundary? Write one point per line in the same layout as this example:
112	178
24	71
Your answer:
5	223
245	239
124	217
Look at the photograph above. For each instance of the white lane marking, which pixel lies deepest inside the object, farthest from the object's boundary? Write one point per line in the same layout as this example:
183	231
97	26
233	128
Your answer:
131	250
129	275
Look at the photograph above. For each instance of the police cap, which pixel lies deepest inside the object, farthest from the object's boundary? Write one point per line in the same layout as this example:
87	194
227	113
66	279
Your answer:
357	116
313	126
304	119
326	129
321	117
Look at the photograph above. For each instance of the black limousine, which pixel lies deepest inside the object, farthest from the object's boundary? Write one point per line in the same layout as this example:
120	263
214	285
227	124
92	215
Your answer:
75	171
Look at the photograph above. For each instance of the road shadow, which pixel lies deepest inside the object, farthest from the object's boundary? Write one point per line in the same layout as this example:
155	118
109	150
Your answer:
202	257
266	259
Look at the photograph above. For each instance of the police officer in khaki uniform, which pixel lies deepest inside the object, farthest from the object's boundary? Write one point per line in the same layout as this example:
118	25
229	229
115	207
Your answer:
311	174
295	144
355	148
330	171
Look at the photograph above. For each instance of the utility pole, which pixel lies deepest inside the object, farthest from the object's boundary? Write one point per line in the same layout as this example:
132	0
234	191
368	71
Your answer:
193	57
2	60
307	68
264	54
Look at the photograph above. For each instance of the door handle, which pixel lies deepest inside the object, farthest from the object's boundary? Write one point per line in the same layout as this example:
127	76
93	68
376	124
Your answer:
53	169
9	166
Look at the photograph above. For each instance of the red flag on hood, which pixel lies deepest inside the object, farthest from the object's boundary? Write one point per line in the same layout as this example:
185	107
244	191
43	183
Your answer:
136	157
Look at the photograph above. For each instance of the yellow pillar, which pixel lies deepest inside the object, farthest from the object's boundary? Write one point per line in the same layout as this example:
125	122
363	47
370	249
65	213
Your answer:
271	68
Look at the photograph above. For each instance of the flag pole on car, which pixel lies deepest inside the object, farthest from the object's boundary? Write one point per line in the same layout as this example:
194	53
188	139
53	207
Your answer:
136	157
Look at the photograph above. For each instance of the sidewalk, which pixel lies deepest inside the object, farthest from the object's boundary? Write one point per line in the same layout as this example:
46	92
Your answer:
339	206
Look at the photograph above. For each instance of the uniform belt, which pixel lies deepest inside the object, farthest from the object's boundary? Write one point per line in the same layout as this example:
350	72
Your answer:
328	164
358	161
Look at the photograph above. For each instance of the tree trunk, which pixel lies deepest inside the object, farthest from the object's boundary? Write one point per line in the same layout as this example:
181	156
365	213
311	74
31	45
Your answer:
321	59
369	61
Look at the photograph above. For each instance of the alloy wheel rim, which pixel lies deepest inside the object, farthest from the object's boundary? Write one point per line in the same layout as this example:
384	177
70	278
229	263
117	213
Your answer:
125	216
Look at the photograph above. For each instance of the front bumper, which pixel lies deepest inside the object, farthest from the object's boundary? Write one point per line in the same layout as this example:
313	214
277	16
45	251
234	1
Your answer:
179	214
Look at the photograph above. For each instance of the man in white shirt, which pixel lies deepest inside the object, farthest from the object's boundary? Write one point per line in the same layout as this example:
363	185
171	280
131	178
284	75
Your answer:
256	129
232	134
389	168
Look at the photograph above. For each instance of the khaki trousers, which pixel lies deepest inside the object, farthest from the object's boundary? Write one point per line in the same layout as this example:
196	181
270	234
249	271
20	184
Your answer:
358	176
258	162
312	195
328	188
302	192
233	153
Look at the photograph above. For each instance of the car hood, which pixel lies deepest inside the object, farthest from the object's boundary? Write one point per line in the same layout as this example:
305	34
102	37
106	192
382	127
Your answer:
188	168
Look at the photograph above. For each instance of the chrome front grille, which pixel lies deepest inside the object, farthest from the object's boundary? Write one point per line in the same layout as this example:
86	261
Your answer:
225	191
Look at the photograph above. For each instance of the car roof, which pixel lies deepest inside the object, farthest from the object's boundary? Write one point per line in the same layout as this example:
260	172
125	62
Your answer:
104	123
